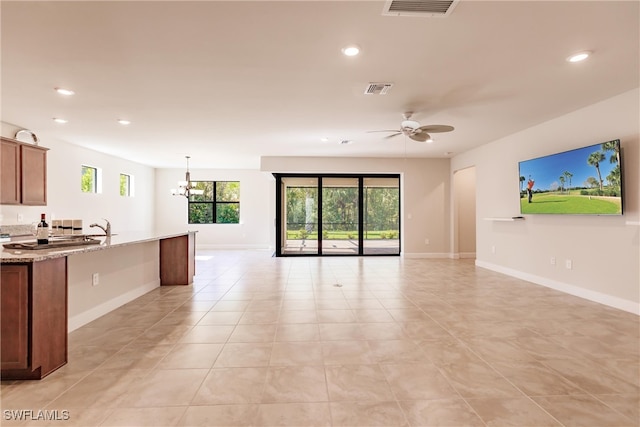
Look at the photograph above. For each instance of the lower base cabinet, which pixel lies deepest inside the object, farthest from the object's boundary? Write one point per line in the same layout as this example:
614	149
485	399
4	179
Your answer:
33	318
177	260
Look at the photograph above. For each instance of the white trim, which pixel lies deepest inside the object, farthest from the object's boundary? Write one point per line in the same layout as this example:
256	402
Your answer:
428	255
233	246
463	255
100	310
633	222
595	296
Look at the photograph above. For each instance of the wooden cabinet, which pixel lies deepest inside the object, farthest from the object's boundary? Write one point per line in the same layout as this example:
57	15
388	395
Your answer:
10	159
14	303
33	311
178	259
24	174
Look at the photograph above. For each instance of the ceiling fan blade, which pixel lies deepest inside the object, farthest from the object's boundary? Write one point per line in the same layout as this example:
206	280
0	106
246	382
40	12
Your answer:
392	135
386	130
436	128
420	136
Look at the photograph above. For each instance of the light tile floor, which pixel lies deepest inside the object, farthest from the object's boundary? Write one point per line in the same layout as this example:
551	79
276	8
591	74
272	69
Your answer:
267	341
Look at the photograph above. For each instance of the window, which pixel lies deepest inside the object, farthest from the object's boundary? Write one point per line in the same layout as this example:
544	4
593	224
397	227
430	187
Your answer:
219	203
126	185
89	179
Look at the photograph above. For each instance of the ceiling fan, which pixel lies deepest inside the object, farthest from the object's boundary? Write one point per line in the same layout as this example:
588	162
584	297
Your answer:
413	130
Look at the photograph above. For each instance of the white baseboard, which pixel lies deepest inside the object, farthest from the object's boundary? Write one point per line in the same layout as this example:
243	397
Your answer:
427	255
232	247
100	310
463	255
595	296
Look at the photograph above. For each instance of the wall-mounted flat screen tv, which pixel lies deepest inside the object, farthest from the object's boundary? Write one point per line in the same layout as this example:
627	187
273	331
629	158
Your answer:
585	181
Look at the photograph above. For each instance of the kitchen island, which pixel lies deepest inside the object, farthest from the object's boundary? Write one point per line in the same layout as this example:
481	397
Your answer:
47	293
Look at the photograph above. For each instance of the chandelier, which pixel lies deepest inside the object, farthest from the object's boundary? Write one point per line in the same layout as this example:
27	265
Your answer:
186	188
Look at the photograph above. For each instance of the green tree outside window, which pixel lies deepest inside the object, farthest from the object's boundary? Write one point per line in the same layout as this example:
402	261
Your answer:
218	204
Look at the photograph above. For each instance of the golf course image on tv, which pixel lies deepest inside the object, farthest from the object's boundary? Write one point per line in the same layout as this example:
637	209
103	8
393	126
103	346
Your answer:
585	181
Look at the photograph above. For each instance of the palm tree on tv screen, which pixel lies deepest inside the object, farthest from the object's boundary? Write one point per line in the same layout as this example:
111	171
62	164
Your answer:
594	160
568	175
615	147
561	178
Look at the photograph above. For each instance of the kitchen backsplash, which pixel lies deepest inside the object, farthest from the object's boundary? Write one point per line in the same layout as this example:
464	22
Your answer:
17	230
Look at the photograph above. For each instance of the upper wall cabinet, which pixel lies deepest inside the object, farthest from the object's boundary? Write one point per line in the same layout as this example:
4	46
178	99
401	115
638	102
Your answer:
23	173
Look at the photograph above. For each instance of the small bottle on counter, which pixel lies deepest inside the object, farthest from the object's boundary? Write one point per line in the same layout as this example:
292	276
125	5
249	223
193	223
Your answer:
42	233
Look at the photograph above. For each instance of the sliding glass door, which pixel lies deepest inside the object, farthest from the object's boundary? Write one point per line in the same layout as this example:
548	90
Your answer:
330	214
340	216
381	221
299	229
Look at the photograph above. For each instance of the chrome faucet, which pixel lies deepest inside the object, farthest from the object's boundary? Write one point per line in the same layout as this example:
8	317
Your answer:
107	229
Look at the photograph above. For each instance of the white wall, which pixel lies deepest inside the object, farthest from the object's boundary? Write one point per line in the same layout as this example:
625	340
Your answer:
257	198
125	273
66	200
424	188
603	249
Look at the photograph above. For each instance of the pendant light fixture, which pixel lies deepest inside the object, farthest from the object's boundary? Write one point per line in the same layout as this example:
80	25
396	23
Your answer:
186	188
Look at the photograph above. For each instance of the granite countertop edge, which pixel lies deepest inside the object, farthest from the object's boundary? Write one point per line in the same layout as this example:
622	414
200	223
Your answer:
14	256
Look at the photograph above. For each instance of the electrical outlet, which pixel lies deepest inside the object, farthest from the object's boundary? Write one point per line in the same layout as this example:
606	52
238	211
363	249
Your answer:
426	241
20	217
95	279
493	249
569	264
553	260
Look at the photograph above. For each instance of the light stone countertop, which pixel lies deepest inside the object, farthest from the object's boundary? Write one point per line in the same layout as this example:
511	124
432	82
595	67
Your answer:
16	256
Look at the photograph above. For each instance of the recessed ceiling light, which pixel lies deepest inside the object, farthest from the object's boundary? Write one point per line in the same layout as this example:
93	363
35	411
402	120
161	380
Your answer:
325	139
351	50
124	122
63	91
580	56
58	120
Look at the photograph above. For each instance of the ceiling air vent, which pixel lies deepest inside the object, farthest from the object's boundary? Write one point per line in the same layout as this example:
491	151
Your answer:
377	88
429	8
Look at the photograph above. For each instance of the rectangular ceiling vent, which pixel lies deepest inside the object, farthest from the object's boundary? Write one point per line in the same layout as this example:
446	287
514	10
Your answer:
377	88
425	8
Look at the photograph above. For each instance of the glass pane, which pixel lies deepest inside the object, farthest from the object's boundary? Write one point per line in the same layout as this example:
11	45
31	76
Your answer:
228	191
207	187
381	228
88	180
124	184
227	213
200	213
300	216
340	228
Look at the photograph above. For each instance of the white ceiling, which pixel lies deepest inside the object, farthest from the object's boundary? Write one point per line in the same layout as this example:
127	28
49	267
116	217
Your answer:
228	82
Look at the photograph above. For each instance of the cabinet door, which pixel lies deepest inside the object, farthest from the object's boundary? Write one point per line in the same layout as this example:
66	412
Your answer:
34	175
14	326
10	170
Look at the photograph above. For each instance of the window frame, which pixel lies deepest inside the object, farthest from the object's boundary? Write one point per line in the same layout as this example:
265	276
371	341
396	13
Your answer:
213	203
96	178
129	185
